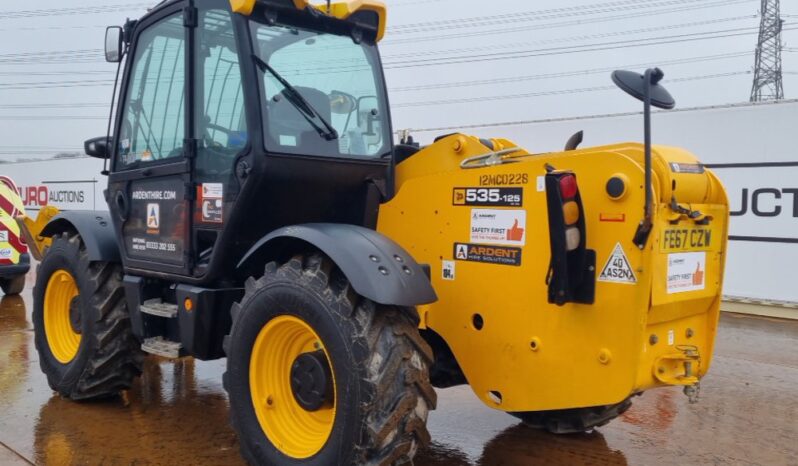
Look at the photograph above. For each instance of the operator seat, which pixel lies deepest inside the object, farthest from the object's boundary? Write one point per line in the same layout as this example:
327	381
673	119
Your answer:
287	124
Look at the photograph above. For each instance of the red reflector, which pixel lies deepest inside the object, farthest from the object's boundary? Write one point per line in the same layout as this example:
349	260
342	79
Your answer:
568	186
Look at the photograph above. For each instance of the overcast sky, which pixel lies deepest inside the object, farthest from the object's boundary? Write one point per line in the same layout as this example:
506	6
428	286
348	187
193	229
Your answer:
513	60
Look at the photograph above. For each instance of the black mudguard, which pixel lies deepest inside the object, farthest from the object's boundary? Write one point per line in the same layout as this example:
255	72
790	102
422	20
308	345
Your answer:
377	267
95	229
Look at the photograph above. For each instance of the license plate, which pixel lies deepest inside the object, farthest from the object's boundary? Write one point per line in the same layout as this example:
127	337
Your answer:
687	239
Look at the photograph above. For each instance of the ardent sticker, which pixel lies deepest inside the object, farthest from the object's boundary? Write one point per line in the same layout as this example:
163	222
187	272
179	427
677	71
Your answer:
500	255
617	269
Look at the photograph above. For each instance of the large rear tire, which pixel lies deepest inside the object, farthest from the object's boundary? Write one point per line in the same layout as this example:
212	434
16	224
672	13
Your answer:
572	421
12	286
376	404
81	324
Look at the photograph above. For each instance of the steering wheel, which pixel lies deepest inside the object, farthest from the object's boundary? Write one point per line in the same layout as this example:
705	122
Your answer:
217	159
215	127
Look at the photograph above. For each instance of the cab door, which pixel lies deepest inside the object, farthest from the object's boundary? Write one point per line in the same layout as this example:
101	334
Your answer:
150	187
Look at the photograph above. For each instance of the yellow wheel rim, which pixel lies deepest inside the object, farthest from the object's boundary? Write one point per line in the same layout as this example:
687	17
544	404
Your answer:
297	433
61	337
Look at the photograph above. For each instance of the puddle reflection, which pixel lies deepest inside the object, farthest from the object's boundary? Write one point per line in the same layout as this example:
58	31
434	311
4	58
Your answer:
165	418
521	445
14	352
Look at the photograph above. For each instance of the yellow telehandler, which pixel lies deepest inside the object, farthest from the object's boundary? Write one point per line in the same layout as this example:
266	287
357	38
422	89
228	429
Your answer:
259	210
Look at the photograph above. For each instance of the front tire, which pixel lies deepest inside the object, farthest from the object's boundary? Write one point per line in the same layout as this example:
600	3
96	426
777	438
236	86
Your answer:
377	404
81	324
13	286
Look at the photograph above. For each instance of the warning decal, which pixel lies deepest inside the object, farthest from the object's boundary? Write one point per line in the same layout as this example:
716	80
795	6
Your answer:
448	270
617	269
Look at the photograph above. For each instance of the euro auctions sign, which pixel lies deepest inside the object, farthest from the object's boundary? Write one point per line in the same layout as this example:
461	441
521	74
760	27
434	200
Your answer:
68	184
66	195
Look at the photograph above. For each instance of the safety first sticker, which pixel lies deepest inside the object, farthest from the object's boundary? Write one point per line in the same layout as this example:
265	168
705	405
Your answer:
686	271
492	226
617	269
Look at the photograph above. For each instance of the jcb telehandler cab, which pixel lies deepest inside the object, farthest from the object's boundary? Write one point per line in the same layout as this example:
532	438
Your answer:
260	211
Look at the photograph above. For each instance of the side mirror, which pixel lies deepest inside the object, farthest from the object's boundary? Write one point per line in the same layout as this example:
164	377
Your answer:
113	44
635	85
97	147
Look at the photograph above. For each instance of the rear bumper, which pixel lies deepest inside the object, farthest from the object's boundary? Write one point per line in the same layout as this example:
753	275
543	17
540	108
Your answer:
10	271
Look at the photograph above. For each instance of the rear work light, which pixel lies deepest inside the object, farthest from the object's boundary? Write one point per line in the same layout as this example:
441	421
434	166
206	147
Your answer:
572	239
572	270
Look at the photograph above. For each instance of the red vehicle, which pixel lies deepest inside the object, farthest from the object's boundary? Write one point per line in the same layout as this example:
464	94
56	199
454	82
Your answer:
14	258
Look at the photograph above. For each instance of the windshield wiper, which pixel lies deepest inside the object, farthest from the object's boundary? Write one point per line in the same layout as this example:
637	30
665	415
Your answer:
325	129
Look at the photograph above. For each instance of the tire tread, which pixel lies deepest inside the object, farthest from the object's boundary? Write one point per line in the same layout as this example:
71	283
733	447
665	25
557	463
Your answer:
394	357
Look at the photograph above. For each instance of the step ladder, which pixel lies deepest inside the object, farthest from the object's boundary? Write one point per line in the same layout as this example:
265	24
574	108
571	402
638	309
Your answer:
158	345
157	307
161	347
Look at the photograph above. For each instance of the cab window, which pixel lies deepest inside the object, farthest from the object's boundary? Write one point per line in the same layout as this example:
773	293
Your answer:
153	125
219	101
339	78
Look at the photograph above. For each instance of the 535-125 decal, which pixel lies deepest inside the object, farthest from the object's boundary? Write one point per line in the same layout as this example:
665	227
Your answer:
494	197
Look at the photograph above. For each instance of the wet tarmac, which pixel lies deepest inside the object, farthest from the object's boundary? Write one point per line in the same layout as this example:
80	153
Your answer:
176	413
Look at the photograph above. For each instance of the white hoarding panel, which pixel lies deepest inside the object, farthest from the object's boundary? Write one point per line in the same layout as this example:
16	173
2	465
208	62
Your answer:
69	184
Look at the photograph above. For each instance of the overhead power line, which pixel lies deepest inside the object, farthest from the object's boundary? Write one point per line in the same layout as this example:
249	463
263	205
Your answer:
49	106
71	11
429	103
51	117
646	42
416	104
108	72
538	15
558	12
421	87
564	74
586	37
531	53
569	22
56	84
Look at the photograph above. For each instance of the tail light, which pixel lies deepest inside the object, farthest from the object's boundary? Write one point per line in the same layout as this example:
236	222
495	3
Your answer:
572	270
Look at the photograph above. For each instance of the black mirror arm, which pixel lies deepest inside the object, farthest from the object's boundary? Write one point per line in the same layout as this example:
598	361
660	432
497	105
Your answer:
651	77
